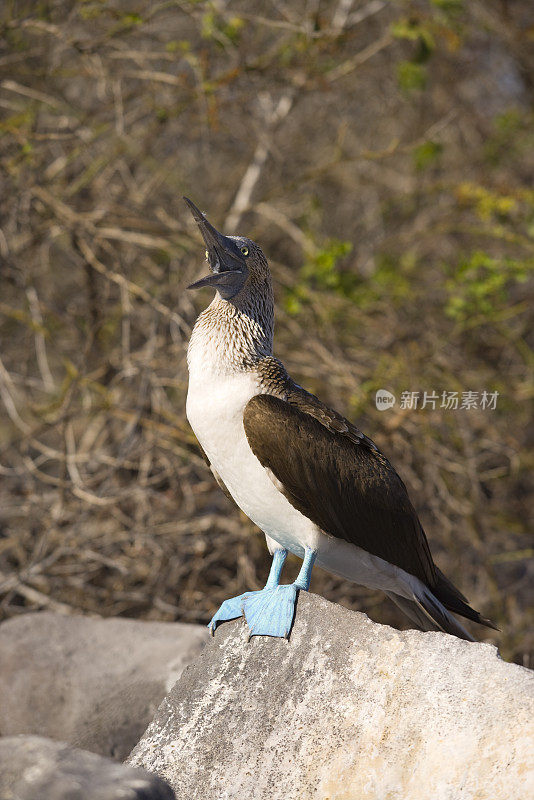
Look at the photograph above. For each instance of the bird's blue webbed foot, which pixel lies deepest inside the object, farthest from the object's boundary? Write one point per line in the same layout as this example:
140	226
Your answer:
234	607
230	609
270	611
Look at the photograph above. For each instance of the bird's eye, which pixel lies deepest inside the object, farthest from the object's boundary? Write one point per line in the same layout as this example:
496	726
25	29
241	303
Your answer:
244	250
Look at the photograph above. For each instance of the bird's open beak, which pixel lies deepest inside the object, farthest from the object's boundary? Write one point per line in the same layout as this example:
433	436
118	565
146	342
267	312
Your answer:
227	264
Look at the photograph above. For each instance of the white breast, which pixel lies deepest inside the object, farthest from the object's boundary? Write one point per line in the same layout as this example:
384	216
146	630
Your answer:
215	406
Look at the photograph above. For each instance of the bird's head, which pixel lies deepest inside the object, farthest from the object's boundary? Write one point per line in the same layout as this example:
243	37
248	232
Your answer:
236	263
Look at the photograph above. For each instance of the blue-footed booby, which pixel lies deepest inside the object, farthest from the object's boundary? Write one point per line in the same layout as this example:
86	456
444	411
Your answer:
310	479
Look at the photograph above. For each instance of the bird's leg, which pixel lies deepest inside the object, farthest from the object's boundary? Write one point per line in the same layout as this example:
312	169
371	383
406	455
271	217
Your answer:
304	576
233	608
279	559
271	611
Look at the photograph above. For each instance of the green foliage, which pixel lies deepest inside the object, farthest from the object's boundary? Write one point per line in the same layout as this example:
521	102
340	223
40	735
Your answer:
426	154
322	269
91	9
321	272
449	7
222	30
429	31
178	46
411	76
415	30
509	122
487	204
390	284
411	73
480	285
512	135
131	20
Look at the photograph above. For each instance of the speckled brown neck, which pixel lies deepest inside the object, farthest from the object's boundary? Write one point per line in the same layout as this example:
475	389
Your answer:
234	336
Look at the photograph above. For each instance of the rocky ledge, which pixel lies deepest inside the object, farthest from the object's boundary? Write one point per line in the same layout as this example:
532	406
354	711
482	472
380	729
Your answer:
346	710
93	683
35	768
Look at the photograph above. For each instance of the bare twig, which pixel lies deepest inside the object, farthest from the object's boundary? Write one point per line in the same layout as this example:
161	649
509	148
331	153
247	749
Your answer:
348	66
273	117
133	288
40	346
7	391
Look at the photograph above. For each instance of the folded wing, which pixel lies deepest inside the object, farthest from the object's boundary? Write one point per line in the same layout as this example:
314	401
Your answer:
338	478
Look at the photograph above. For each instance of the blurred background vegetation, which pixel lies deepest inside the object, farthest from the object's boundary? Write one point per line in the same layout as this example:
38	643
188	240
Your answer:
382	153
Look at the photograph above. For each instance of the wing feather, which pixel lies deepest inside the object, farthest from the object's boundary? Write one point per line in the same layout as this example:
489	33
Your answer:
338	478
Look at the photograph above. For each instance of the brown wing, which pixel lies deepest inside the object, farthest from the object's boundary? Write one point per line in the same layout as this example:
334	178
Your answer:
338	478
299	398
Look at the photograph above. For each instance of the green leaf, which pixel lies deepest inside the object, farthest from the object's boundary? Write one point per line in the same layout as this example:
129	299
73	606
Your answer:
414	31
426	154
411	76
480	284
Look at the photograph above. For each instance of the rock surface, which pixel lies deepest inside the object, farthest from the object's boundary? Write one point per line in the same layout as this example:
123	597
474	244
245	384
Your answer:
94	683
346	710
35	768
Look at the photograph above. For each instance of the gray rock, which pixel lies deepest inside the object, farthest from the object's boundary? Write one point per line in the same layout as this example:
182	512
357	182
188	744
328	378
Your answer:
347	709
94	683
35	768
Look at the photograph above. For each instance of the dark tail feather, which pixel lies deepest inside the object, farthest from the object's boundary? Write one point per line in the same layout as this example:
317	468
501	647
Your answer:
454	601
429	614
